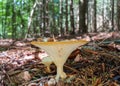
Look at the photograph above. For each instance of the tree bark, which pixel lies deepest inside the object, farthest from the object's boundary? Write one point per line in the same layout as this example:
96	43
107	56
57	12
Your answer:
82	16
61	18
94	16
103	24
72	18
30	19
66	22
112	15
44	16
118	15
13	21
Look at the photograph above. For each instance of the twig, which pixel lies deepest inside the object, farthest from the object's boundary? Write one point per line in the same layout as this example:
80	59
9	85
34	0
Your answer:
115	68
6	75
102	41
71	69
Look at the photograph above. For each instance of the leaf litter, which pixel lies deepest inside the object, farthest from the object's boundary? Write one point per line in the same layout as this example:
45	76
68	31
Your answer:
95	64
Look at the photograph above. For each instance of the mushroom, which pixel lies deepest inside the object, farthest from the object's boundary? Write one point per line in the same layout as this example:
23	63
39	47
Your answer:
59	51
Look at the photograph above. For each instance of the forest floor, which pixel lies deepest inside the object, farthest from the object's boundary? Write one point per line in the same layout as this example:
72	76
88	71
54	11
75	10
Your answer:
95	64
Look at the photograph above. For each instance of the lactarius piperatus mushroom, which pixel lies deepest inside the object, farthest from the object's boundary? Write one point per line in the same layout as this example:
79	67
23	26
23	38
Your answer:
59	51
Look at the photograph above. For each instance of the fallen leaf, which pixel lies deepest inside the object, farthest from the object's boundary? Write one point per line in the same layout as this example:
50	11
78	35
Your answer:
25	75
78	58
32	84
29	57
51	82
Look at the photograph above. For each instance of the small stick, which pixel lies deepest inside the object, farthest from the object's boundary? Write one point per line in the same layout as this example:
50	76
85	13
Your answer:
71	69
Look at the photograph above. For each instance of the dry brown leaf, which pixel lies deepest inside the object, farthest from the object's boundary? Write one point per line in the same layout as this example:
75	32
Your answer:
77	58
22	77
74	54
114	84
60	83
29	57
51	82
32	84
25	75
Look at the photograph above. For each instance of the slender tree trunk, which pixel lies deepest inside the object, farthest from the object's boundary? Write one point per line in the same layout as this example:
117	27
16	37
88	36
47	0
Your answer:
118	15
54	21
72	18
2	34
112	15
61	19
66	22
40	17
87	17
7	9
103	24
94	18
22	20
30	18
22	23
47	18
13	21
44	16
82	16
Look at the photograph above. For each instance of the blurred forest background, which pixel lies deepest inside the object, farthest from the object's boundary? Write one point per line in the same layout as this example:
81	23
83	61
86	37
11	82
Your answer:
35	18
95	64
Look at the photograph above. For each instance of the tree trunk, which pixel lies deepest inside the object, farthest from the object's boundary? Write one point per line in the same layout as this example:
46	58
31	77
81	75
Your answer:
82	16
118	15
94	16
44	16
66	22
47	18
2	35
13	21
61	18
22	23
103	24
30	19
112	3
72	18
7	13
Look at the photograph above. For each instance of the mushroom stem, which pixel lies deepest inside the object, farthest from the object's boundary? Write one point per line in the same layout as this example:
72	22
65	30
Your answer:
60	72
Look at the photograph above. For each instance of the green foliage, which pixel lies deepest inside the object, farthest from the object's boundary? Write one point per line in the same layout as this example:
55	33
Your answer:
18	19
51	14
